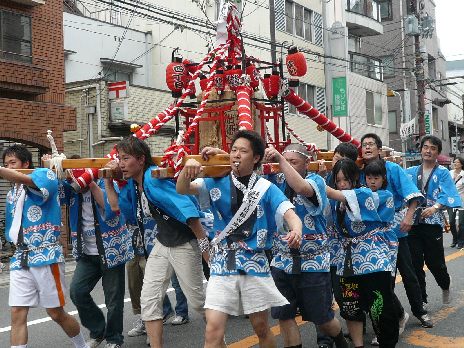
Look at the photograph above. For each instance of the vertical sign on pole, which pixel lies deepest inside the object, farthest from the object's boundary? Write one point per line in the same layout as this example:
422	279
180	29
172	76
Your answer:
428	127
340	102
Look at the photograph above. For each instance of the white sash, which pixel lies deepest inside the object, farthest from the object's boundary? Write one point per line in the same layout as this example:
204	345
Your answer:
248	206
17	217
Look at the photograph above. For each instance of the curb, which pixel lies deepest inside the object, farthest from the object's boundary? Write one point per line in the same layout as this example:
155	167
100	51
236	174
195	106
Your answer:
70	266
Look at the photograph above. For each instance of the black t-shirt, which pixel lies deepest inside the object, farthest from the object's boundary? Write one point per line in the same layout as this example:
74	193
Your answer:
171	232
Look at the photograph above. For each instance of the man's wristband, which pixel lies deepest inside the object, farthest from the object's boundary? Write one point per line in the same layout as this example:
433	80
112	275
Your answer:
203	243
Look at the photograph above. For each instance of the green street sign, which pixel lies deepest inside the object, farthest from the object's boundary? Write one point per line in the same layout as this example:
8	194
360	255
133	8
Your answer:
427	124
340	102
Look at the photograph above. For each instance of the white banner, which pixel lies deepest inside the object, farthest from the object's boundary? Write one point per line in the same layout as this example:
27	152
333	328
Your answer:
407	129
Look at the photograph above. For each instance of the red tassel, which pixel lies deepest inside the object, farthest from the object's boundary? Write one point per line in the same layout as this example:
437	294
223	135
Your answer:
253	74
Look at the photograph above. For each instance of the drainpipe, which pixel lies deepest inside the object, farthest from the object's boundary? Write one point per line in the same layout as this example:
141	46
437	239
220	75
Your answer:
99	116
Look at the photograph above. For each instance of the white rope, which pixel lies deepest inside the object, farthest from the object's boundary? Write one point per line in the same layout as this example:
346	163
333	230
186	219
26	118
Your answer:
56	162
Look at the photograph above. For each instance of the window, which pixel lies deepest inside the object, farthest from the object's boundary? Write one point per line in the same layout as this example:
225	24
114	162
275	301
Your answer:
386	13
392	122
388	63
15	37
354	44
114	75
373	108
442	124
298	20
306	92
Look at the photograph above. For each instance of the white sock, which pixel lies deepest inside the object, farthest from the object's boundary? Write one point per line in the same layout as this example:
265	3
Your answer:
21	346
79	341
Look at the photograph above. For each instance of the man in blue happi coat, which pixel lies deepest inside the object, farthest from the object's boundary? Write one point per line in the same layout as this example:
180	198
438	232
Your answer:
426	237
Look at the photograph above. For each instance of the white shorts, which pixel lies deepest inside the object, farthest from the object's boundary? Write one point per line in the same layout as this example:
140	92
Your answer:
42	286
242	294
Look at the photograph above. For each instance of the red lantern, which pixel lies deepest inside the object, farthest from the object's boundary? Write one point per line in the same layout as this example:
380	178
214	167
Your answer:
272	84
176	77
296	65
203	82
254	76
219	81
233	77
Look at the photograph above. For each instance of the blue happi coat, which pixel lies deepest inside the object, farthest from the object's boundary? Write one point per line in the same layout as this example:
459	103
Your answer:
162	193
367	225
115	243
41	220
441	189
314	250
250	257
403	190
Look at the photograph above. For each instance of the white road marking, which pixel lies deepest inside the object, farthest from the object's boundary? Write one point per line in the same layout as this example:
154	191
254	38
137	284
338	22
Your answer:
44	320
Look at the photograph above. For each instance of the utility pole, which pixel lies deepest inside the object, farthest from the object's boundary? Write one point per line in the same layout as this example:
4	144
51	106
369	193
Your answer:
420	76
272	30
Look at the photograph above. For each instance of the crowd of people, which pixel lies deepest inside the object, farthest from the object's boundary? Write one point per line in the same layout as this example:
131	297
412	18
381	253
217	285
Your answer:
285	244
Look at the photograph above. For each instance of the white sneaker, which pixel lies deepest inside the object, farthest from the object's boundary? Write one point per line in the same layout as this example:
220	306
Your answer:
403	322
94	342
374	341
112	345
138	329
178	320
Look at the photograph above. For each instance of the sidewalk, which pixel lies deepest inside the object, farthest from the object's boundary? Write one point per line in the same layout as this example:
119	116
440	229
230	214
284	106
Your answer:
5	275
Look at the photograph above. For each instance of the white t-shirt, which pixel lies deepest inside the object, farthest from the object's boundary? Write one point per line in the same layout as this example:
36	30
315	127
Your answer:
88	225
458	179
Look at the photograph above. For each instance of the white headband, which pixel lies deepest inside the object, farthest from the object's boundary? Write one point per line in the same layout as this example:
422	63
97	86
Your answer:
296	151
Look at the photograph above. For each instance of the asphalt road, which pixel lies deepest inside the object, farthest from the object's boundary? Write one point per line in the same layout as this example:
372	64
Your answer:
447	333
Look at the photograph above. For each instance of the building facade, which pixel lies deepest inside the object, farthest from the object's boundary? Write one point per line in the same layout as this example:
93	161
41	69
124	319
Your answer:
397	51
453	85
356	93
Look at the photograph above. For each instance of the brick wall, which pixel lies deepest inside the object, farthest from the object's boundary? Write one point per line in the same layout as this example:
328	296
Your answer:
32	95
37	88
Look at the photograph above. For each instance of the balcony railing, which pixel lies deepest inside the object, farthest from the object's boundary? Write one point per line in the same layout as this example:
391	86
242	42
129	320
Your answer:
368	8
366	66
15	57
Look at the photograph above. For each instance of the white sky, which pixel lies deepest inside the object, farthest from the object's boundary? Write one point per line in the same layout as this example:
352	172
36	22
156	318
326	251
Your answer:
450	29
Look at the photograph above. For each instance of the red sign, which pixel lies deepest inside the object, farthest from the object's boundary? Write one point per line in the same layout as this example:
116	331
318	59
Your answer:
117	90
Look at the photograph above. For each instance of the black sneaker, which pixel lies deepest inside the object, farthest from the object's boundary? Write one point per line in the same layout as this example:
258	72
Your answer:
425	321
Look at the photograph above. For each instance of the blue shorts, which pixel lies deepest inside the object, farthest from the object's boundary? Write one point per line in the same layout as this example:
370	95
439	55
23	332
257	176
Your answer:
311	292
